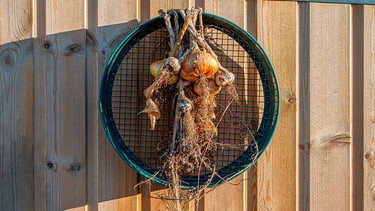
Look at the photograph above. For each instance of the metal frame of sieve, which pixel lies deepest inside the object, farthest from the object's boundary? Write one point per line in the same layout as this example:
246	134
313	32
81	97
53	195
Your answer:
121	98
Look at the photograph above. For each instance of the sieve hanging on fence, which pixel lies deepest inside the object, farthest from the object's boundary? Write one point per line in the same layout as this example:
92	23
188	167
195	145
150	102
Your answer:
245	125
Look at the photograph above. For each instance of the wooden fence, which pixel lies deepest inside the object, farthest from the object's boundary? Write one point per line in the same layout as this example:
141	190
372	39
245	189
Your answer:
54	154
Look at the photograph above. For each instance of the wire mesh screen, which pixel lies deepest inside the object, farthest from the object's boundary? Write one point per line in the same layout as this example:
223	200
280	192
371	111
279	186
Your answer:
235	120
245	126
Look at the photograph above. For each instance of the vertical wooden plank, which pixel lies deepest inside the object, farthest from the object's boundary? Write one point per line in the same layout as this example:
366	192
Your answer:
250	182
232	10
304	107
326	139
60	130
150	8
132	202
276	169
369	109
15	21
40	48
251	18
233	195
116	180
357	105
16	105
93	125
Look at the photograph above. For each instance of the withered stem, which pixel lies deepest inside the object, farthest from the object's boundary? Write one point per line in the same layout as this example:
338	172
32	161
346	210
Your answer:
181	35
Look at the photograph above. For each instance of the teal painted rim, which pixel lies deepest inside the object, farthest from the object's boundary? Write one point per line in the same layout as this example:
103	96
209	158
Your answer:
271	105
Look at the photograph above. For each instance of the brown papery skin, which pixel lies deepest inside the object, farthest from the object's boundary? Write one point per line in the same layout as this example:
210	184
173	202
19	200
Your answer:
199	64
156	68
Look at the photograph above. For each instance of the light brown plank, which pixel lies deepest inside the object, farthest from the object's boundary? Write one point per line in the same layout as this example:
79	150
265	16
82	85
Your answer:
150	8
326	139
60	131
230	196
15	21
126	203
277	30
232	10
16	105
369	109
64	16
116	180
330	107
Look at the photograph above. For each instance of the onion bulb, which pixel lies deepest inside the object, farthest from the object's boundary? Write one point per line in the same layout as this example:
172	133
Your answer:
213	88
197	64
155	69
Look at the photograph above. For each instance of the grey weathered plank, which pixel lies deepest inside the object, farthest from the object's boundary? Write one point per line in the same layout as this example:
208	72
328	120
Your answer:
60	114
116	180
16	106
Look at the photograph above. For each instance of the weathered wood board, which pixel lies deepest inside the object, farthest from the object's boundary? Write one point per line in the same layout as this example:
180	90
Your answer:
16	106
54	154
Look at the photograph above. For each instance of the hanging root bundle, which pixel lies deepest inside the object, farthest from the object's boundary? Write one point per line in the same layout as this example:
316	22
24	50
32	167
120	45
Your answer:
198	76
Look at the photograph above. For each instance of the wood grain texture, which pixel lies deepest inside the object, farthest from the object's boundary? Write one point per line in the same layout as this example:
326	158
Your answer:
40	182
116	180
125	203
276	169
232	10
64	16
369	109
15	21
150	8
230	196
16	106
54	154
94	133
64	125
60	100
328	125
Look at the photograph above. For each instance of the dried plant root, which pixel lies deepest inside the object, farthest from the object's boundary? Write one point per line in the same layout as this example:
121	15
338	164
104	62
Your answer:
192	147
165	74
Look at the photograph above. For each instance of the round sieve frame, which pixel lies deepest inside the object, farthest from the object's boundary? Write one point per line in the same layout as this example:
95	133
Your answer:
270	97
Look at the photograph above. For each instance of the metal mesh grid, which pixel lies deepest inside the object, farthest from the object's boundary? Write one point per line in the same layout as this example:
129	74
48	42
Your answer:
235	121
